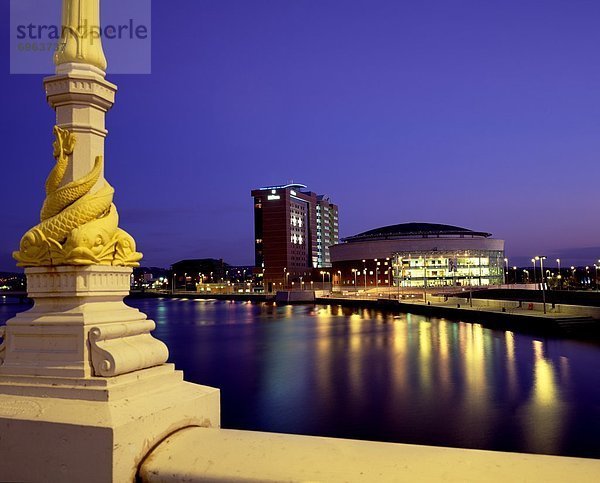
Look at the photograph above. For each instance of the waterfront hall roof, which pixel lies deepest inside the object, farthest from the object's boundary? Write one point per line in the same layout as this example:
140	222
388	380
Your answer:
412	230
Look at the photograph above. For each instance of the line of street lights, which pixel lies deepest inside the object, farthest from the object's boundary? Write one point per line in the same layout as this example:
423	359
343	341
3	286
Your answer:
389	268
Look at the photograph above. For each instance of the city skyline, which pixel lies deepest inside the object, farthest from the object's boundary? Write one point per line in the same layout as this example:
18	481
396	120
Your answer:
483	117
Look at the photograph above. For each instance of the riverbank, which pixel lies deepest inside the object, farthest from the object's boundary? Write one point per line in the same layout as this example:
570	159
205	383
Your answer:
528	318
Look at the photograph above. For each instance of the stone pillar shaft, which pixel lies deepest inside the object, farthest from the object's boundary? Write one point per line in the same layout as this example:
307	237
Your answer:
81	98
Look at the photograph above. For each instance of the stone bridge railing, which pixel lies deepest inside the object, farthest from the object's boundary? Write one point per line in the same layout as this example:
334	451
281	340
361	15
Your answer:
202	454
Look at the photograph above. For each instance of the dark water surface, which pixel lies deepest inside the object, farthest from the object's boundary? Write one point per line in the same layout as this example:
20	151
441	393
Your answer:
365	374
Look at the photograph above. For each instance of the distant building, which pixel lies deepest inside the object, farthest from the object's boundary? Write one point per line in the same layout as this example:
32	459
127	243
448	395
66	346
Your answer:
294	229
11	281
150	277
327	230
187	274
418	255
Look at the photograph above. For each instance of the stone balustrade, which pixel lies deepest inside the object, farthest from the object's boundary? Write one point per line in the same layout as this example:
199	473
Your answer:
203	454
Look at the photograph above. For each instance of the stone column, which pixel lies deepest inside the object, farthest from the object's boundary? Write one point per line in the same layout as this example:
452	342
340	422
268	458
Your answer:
85	390
81	97
78	92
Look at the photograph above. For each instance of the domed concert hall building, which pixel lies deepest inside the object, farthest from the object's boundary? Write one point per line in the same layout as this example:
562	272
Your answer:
418	255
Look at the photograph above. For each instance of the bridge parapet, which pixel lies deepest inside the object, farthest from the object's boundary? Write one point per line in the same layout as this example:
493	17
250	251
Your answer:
199	454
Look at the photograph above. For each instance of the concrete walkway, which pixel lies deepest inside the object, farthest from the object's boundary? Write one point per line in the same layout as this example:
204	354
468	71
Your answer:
500	313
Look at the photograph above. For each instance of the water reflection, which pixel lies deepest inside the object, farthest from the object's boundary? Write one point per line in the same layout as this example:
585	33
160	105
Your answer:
335	371
543	415
511	364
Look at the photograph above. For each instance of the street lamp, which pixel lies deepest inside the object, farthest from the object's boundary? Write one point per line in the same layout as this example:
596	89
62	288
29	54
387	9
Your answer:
587	279
534	276
559	274
506	264
365	270
389	272
541	258
376	273
355	271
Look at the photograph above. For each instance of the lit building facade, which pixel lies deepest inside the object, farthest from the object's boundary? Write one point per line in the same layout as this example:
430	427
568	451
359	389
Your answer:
293	229
327	230
418	255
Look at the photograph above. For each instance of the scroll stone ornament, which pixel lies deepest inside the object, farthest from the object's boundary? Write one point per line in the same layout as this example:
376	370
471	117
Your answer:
77	226
111	348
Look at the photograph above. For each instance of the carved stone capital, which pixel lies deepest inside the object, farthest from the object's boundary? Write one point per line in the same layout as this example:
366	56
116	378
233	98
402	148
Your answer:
72	281
80	86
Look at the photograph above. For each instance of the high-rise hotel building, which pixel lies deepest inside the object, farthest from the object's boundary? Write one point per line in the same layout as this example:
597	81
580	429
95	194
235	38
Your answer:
294	229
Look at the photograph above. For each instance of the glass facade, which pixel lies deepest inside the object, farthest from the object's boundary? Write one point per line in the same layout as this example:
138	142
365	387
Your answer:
443	269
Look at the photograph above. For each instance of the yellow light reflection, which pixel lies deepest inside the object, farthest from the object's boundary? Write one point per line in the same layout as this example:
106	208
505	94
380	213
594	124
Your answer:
545	392
543	413
511	365
354	358
355	334
324	366
425	373
443	337
323	326
444	359
400	356
476	384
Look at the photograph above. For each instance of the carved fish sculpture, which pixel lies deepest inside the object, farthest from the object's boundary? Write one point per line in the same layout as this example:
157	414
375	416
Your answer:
77	227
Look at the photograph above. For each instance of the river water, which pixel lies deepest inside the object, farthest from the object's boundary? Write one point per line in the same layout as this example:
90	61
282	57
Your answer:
366	374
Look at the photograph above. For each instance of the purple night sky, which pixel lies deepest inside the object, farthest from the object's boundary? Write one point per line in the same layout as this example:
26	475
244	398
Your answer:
476	113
